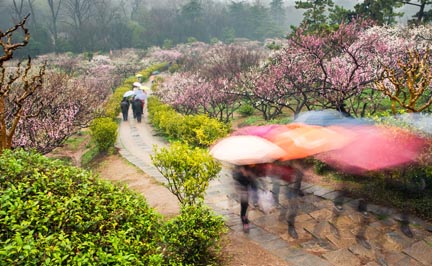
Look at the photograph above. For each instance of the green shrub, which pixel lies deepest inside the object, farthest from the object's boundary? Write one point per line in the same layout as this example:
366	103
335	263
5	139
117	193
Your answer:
196	130
246	110
104	132
174	68
194	237
202	131
187	170
54	214
156	110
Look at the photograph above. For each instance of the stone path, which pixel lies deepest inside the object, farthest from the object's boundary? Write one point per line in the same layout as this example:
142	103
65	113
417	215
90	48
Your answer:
326	236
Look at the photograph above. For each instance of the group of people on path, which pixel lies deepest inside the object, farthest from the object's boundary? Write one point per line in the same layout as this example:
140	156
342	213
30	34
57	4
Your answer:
137	100
249	179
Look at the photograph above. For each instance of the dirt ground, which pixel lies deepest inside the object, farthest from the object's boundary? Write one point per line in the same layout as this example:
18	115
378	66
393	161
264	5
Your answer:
238	250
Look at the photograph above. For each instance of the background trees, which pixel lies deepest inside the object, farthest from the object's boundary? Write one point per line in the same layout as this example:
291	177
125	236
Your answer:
84	25
42	102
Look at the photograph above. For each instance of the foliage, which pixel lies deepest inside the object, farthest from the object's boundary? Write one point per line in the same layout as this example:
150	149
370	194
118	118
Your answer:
196	130
188	170
314	18
381	11
193	237
246	109
201	131
104	133
62	215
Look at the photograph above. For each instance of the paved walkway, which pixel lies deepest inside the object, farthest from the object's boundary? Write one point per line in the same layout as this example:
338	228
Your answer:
326	236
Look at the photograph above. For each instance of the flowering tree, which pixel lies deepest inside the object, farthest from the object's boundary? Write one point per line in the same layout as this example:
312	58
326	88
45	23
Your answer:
190	94
40	109
343	60
409	84
13	100
282	83
209	83
404	66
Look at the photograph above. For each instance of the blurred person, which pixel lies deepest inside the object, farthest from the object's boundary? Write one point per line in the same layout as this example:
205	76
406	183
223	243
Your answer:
247	186
290	172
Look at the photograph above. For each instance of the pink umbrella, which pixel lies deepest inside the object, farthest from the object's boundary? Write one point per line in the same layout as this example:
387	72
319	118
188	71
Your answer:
375	148
242	150
260	131
301	140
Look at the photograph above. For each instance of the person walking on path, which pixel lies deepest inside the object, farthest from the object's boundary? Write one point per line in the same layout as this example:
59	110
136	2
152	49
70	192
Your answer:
137	106
246	181
290	173
124	105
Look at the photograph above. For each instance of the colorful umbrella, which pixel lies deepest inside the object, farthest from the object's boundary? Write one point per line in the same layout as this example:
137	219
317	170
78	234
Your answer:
243	150
140	95
375	148
260	131
328	117
300	140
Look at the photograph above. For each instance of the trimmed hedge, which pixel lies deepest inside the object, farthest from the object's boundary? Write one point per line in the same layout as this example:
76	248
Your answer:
104	132
195	130
54	214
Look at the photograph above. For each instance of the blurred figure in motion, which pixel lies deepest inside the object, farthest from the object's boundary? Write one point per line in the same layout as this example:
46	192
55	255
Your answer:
290	172
247	186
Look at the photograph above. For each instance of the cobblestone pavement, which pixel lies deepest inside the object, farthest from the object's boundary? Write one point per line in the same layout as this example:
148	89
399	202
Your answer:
326	235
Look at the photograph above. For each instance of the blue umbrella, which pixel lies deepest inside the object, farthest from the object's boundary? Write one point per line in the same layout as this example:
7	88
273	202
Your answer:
328	117
140	95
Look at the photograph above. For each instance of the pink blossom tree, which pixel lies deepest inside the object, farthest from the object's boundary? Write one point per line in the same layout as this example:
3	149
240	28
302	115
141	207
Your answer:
10	94
40	108
209	83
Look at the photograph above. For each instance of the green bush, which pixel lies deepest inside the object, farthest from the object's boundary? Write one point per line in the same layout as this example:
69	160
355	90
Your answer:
196	130
246	110
174	68
187	170
54	214
194	237
104	132
202	131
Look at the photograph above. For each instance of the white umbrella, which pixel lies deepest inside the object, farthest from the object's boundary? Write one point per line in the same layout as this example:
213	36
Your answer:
246	150
128	93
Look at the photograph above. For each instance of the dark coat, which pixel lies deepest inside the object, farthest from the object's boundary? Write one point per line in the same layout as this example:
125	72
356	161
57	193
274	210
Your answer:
124	105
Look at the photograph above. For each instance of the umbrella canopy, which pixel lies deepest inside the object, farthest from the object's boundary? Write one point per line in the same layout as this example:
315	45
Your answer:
327	117
140	95
300	140
136	84
375	148
243	150
260	131
129	93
